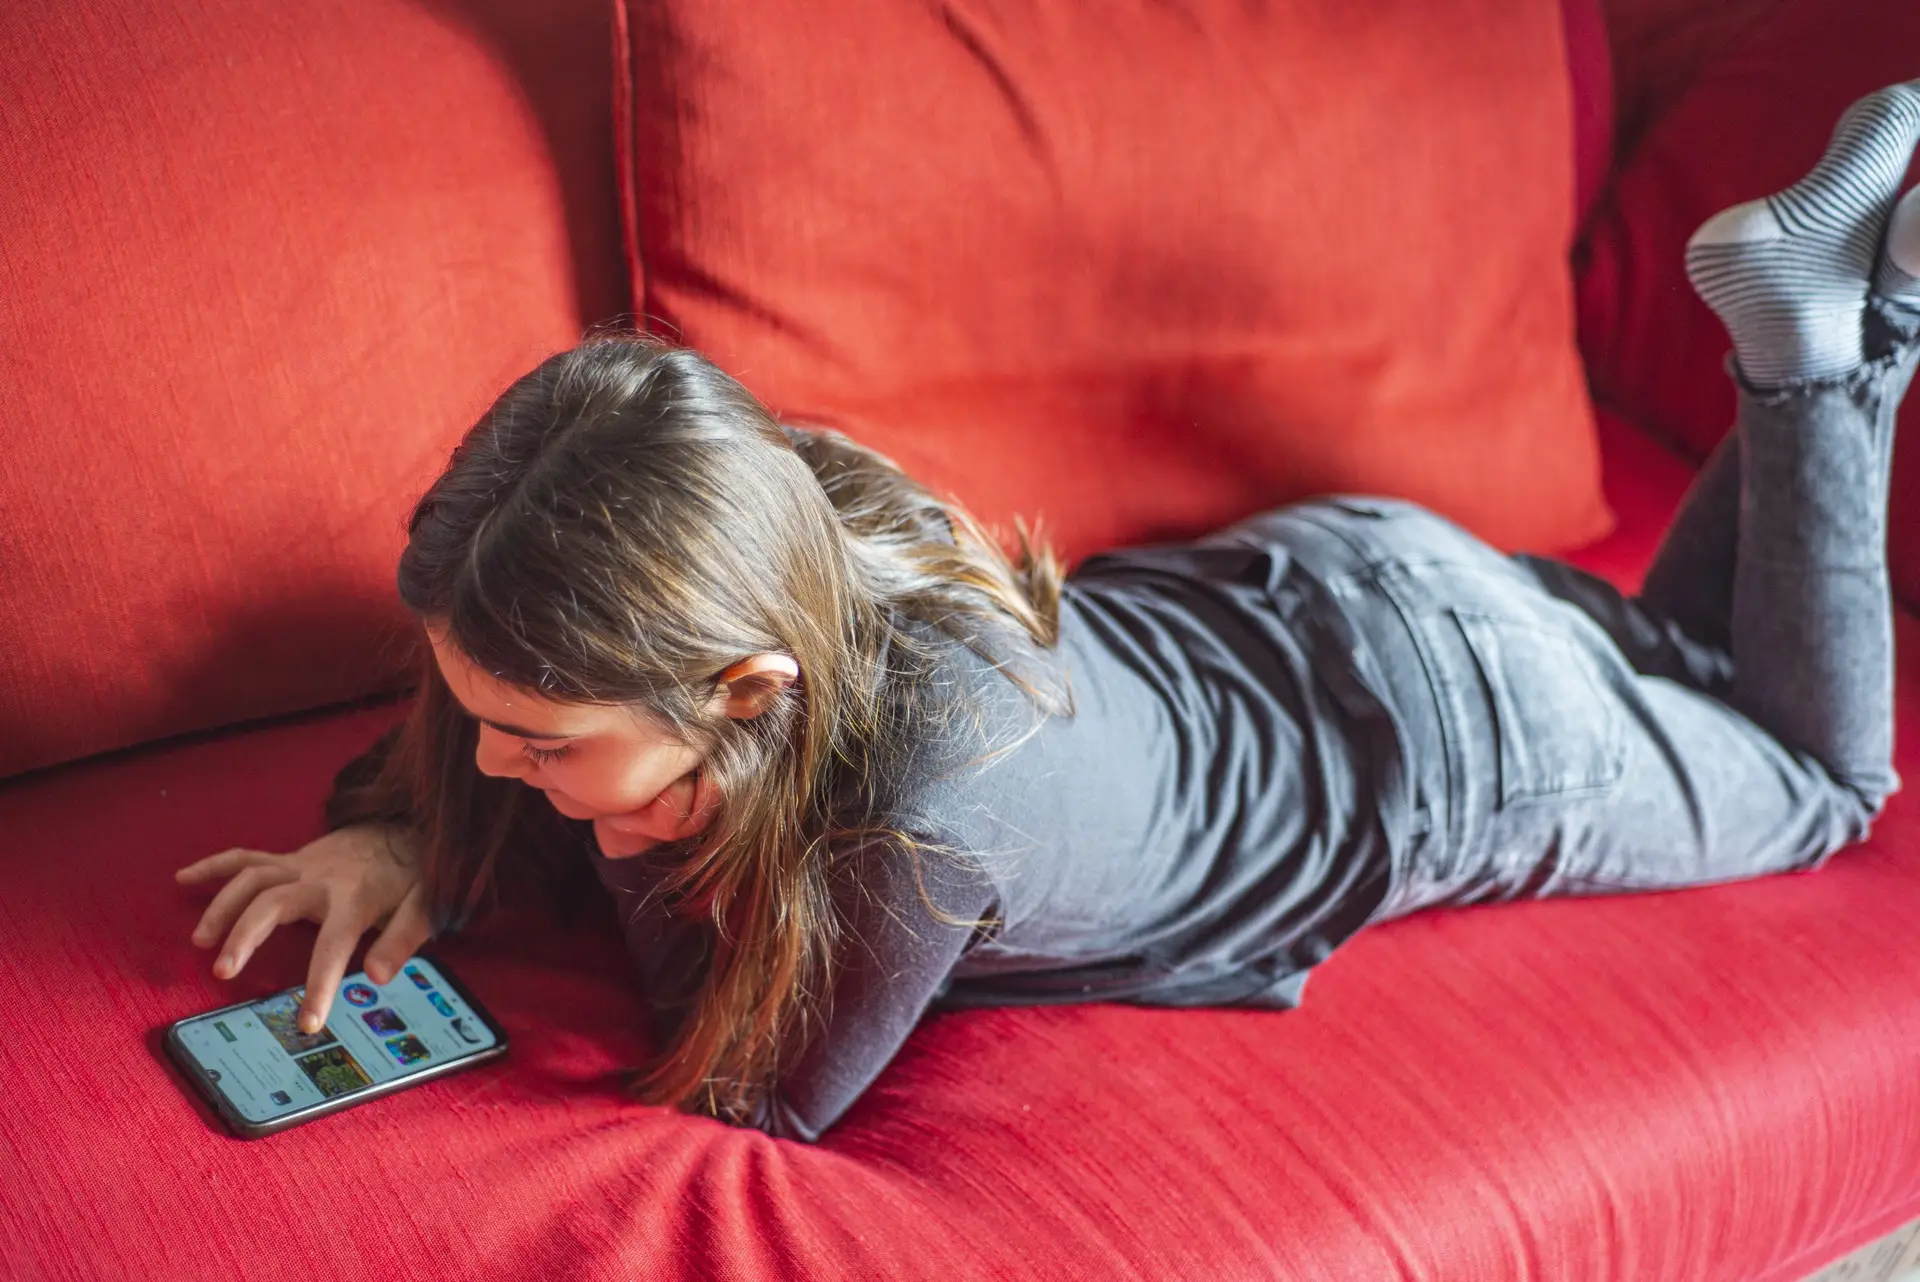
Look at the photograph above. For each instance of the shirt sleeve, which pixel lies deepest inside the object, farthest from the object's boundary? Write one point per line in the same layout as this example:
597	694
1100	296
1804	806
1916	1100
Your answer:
895	961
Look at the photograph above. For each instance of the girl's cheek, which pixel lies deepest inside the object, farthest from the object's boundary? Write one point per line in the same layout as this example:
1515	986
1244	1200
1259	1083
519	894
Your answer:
706	800
682	809
595	786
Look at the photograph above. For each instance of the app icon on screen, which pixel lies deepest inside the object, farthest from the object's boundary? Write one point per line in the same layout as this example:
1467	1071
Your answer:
334	1071
408	1049
360	994
439	1003
220	1026
419	980
384	1020
281	1097
278	1014
467	1035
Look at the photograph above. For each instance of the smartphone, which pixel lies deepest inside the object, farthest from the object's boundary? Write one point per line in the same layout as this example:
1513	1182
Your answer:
262	1074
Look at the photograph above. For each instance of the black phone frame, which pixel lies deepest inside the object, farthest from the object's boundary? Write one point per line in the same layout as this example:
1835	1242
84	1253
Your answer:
196	1073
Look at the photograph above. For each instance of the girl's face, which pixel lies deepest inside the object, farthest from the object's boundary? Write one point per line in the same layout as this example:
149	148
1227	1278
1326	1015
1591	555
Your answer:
617	766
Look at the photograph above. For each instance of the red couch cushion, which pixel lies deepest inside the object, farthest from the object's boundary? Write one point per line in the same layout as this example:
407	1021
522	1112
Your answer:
1705	1086
1590	75
1180	261
1752	123
1660	46
259	266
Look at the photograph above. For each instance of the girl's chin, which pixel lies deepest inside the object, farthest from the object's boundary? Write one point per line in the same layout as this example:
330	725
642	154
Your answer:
630	821
680	811
615	844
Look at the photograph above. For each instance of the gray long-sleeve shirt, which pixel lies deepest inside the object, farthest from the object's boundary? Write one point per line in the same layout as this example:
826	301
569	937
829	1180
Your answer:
1213	820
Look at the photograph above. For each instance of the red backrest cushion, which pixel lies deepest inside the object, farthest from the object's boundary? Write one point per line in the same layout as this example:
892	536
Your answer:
260	265
1753	122
1660	46
1136	269
1590	72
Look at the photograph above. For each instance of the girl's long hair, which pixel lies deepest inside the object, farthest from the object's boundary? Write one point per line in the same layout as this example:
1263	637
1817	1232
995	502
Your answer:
622	525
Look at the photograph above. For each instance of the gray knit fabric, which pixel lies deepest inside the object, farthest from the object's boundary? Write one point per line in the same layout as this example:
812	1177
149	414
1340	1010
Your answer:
1789	273
1898	278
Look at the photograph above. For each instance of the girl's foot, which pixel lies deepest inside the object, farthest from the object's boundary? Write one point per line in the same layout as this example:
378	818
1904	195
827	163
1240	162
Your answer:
1898	280
1788	274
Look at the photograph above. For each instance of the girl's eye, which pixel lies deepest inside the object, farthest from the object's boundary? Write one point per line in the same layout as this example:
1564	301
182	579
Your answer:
541	756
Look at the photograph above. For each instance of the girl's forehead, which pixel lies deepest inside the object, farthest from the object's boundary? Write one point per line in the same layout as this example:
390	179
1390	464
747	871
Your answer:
529	713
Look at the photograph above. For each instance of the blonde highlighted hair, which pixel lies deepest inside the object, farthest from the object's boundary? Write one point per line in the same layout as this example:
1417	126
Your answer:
624	523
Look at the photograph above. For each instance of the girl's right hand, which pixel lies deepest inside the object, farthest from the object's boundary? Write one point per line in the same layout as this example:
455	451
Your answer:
348	881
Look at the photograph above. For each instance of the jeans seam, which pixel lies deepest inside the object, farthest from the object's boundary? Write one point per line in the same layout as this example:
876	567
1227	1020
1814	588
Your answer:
1447	833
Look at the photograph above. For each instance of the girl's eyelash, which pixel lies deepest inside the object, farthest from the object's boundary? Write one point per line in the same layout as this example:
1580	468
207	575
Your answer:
541	756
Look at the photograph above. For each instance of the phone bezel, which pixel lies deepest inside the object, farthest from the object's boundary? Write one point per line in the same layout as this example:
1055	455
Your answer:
195	1072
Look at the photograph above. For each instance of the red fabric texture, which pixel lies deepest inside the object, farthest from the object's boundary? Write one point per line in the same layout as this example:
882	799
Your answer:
1660	46
1590	75
1182	261
1754	122
1697	1086
233	247
259	267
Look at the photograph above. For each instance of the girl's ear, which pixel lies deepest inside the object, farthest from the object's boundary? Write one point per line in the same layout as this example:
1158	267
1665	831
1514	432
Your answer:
750	686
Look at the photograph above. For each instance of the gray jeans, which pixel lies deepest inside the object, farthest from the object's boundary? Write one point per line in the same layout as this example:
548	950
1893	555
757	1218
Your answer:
1733	719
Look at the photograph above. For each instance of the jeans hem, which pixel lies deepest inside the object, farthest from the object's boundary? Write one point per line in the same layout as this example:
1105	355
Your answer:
1862	378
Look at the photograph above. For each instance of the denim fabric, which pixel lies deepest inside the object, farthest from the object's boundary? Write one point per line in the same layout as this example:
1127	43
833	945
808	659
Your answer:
1347	709
1733	719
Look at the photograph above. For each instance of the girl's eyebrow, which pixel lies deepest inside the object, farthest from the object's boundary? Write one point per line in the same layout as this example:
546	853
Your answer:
524	734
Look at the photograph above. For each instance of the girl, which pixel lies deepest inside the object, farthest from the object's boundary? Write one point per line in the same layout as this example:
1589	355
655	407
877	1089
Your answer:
840	761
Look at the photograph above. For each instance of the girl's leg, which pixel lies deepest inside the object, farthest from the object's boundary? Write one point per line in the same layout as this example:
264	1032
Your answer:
1556	761
1789	275
1792	276
1680	624
1812	623
1691	578
1794	760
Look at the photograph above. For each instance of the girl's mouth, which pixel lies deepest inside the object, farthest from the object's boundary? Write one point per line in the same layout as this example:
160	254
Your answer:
659	820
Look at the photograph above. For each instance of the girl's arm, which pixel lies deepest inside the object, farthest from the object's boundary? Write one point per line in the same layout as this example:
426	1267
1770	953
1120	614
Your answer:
895	961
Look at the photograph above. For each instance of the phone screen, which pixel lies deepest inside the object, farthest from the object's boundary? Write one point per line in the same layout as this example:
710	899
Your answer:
257	1056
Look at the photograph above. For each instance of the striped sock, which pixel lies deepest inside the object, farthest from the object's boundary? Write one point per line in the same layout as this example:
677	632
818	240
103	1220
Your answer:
1898	280
1788	274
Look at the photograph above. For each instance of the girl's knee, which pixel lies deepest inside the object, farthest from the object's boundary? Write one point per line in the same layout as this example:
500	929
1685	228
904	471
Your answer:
1864	799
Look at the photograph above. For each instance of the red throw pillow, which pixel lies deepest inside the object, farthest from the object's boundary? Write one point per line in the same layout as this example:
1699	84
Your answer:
1136	269
260	266
1752	123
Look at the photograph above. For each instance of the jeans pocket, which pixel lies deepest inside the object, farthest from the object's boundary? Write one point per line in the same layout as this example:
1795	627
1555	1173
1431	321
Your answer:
1560	732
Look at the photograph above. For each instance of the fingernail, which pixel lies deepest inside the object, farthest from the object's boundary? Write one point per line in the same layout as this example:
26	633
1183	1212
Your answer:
223	967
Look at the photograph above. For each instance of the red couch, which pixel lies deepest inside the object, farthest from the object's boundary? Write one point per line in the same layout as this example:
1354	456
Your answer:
258	268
